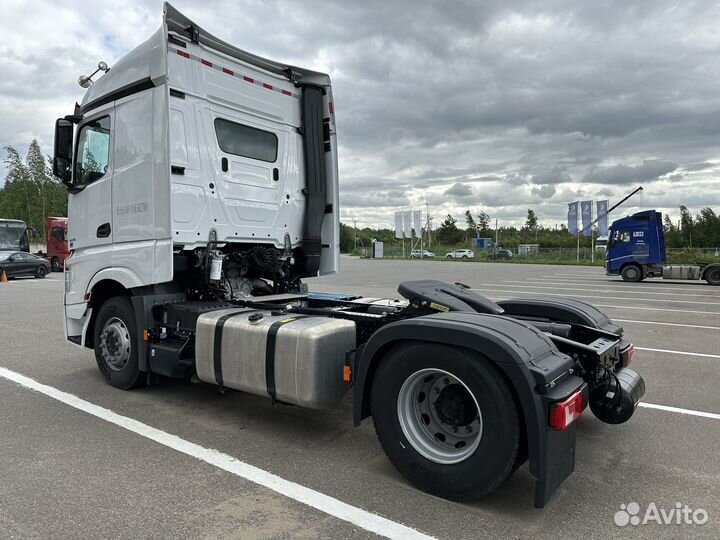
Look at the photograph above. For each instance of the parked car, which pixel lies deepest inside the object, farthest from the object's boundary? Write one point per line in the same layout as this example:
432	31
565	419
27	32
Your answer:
461	254
502	254
421	254
19	263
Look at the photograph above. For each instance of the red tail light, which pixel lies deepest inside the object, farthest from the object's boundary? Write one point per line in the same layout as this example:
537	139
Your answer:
630	352
564	413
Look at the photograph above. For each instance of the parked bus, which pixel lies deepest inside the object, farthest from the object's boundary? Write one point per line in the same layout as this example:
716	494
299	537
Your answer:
14	235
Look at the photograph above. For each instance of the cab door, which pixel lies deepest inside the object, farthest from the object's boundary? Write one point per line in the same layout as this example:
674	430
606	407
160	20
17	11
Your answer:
90	209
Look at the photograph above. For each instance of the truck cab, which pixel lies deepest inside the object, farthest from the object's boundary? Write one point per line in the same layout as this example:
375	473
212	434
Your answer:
636	250
57	244
636	244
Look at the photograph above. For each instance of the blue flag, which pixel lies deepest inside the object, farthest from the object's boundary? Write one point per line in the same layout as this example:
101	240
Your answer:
572	218
602	214
586	207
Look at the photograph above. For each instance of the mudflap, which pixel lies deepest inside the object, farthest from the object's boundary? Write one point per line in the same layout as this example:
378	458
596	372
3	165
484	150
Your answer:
556	453
558	462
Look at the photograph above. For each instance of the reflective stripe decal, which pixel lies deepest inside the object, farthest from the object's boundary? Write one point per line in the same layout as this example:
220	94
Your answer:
233	73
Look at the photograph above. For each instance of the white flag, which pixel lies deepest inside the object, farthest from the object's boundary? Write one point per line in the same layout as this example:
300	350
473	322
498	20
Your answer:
407	218
417	222
398	225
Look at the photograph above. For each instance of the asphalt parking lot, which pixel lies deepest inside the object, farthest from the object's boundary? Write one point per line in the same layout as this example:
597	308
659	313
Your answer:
65	473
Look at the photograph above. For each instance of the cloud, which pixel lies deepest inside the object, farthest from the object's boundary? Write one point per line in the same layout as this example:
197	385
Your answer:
544	192
650	169
502	106
459	191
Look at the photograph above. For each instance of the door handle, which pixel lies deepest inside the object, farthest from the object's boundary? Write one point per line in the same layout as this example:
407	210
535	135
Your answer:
276	174
103	231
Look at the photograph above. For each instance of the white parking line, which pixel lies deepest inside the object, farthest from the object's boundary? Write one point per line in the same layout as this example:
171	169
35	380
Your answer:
658	309
527	284
668	324
663	300
329	505
682	353
691	412
659	285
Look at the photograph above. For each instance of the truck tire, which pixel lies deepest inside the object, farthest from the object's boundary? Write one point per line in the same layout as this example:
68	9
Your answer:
115	343
446	419
55	263
712	275
632	273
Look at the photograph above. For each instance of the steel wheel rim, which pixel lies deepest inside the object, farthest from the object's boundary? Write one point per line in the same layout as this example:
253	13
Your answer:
115	345
439	416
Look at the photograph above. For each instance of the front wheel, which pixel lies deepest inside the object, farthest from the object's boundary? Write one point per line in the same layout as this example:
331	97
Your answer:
446	419
632	273
55	264
712	276
115	343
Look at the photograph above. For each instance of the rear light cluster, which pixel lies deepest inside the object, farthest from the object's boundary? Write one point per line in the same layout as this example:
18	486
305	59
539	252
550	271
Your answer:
629	353
563	413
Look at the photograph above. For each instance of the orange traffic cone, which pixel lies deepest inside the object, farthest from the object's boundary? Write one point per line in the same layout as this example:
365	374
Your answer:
3	279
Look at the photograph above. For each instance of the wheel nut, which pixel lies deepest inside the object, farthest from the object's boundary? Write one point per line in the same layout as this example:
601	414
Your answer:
468	429
454	429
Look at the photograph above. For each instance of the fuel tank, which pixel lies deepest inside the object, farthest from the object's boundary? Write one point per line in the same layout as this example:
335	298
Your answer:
294	359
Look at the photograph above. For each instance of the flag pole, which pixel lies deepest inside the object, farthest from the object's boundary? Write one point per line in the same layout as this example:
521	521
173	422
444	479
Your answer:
592	234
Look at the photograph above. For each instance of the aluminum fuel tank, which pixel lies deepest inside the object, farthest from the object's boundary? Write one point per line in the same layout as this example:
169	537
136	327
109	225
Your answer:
297	358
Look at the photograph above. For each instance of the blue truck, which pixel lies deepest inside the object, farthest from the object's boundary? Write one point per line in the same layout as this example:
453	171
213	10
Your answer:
636	250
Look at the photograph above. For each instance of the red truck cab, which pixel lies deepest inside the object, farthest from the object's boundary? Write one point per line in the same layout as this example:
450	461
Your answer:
57	245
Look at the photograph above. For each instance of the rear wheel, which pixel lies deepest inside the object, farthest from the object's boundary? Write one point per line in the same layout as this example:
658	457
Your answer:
115	343
632	273
446	419
55	264
712	275
41	271
464	256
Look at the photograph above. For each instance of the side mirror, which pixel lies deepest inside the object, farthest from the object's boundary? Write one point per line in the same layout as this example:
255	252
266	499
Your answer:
33	233
62	156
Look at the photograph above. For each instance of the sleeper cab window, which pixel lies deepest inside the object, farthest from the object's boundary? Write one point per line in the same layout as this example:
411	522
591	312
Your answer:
246	141
93	151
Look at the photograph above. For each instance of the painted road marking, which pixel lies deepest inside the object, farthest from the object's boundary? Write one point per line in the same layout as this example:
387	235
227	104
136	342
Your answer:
660	285
668	324
543	285
329	505
603	297
658	309
691	412
683	353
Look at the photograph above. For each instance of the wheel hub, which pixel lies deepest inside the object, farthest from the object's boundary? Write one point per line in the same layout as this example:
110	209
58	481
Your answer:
439	416
115	344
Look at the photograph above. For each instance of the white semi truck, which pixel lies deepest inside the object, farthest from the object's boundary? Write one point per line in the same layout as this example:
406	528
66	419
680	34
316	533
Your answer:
203	188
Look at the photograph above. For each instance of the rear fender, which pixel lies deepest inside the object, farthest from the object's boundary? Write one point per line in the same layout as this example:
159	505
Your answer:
535	370
563	310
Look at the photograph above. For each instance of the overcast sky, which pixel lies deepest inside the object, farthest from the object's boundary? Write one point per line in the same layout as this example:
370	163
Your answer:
500	106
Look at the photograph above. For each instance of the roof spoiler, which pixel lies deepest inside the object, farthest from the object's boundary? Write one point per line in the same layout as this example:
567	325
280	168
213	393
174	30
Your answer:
180	24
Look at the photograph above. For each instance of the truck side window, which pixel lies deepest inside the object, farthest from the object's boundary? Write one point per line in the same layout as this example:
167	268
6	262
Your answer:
93	151
622	236
246	141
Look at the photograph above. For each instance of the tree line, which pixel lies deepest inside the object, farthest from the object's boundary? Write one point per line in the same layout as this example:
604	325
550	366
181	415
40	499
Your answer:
31	192
700	231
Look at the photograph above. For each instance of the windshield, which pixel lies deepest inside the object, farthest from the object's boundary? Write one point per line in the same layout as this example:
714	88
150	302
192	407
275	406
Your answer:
12	235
